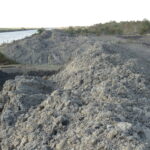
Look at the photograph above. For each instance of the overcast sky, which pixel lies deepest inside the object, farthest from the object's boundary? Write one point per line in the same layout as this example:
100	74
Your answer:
59	13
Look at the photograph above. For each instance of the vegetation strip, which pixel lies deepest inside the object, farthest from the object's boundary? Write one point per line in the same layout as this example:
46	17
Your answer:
113	28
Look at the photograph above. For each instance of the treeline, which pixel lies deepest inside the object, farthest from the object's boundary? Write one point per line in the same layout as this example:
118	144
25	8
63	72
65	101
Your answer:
113	28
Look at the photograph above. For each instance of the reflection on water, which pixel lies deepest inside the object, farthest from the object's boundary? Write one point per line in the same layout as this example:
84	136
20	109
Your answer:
7	37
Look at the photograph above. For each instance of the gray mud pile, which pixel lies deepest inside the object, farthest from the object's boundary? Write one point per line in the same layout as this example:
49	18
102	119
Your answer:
100	101
51	47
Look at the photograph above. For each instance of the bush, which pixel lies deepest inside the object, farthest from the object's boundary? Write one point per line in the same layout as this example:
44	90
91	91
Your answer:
41	30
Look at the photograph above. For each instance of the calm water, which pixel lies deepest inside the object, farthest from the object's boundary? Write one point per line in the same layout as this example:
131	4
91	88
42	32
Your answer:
7	37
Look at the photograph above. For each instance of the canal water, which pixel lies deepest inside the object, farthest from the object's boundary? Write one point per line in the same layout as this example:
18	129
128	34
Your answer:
7	37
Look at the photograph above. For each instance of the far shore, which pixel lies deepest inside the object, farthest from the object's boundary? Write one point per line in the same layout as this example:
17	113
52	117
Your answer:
15	29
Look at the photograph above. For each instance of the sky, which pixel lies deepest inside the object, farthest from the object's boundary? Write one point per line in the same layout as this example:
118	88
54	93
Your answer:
62	13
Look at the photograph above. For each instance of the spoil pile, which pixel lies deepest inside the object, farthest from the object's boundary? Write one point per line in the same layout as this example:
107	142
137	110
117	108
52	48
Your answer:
100	101
50	47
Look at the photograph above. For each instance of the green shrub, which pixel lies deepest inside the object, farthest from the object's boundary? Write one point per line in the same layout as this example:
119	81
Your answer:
41	30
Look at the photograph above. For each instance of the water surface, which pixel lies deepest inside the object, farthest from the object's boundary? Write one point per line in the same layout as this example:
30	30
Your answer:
7	37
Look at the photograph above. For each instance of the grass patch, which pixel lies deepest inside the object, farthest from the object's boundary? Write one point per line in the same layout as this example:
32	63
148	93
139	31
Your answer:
6	61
